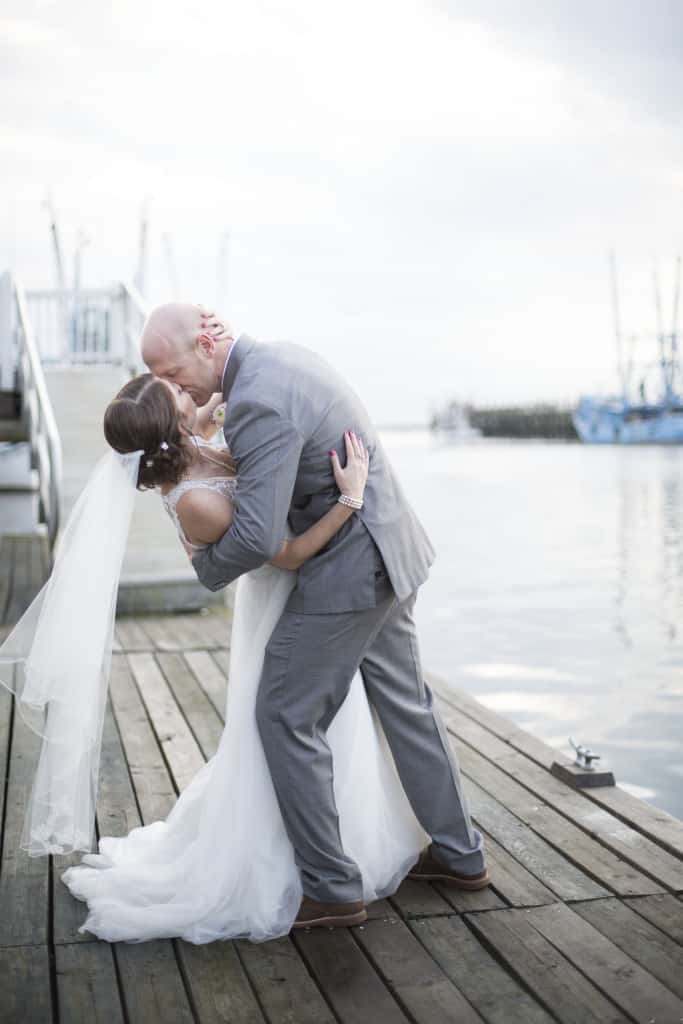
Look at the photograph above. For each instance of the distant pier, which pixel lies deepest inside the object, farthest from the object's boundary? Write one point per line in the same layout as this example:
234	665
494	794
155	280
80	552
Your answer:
541	420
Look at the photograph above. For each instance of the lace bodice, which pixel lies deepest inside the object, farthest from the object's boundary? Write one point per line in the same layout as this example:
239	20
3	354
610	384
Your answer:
222	484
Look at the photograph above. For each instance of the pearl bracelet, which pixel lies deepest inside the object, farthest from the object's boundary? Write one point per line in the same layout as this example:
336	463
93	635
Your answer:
345	499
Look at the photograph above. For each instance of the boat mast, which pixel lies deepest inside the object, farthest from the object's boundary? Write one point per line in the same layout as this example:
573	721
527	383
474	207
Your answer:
56	244
675	384
140	278
660	334
617	323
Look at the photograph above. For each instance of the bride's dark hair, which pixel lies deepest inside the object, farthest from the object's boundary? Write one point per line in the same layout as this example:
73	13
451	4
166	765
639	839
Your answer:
144	415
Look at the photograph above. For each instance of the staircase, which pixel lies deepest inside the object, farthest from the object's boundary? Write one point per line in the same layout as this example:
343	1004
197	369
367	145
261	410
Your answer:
55	383
19	512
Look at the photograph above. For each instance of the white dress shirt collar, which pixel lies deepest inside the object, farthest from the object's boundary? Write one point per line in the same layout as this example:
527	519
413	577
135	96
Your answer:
230	351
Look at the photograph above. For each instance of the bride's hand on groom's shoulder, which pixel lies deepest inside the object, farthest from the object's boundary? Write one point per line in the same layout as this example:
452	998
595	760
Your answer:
352	478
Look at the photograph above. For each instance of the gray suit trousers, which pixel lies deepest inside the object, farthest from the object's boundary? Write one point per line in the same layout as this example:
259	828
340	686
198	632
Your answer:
309	664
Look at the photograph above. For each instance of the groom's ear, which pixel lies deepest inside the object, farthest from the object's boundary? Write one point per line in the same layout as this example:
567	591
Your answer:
206	343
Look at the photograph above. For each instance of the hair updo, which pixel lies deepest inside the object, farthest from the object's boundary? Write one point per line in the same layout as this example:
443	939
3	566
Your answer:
144	415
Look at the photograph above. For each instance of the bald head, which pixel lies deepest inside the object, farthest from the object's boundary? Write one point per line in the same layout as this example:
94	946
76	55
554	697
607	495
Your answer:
170	330
176	347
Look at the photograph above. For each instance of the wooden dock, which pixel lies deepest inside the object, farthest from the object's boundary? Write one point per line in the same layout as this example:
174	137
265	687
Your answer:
583	923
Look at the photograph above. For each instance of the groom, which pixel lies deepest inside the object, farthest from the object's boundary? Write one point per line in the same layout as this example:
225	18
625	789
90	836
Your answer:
352	606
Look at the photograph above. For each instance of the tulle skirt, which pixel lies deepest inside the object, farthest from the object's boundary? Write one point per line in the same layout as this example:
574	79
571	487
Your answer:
221	865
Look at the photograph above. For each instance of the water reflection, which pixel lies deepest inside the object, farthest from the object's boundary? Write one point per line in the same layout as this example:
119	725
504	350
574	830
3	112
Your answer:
557	592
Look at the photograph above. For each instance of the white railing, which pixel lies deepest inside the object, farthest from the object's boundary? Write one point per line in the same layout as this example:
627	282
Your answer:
61	328
89	326
44	440
134	312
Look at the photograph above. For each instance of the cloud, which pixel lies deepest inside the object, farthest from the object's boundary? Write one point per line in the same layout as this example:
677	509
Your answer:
395	177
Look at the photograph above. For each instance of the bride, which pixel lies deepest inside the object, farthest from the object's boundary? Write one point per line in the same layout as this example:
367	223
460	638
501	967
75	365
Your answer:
221	865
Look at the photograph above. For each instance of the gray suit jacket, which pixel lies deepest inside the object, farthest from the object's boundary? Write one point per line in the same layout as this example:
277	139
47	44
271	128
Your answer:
286	408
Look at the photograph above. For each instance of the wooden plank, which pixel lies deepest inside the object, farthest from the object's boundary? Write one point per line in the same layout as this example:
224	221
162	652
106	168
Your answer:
26	994
158	631
176	632
68	912
38	562
411	974
626	842
117	810
419	899
87	988
198	710
555	982
611	970
153	787
131	636
423	899
26	576
217	624
353	989
179	746
652	821
218	984
284	988
465	902
197	631
6	574
180	632
642	941
532	851
497	996
222	659
6	710
151	981
18	598
152	985
664	911
117	814
517	886
210	678
380	909
586	853
24	880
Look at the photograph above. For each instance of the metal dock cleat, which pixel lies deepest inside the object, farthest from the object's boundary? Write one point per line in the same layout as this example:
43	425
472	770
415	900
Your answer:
582	773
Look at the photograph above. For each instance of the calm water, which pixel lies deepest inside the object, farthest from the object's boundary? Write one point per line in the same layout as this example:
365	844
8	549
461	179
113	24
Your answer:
556	597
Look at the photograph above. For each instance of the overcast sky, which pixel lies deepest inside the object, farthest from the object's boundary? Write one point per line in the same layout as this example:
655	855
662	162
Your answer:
424	192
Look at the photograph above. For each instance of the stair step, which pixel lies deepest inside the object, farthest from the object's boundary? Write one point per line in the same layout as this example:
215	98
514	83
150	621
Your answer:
29	487
12	430
15	468
10	405
19	514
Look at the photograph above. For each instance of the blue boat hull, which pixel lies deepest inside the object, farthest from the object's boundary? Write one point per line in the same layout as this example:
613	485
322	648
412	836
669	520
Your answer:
601	421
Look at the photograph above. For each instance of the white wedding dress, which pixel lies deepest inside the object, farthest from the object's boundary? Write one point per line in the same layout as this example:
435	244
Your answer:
221	865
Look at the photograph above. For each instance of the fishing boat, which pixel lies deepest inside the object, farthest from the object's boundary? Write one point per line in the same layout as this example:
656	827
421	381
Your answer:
627	419
453	420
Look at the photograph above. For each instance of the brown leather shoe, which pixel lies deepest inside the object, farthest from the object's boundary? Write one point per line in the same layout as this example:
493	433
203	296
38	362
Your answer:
314	914
429	869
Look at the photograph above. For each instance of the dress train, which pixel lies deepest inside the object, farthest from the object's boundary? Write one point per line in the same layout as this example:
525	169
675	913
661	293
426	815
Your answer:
221	865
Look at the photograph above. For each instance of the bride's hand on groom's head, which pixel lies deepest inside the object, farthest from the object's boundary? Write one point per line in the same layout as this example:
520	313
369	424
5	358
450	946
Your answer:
217	328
